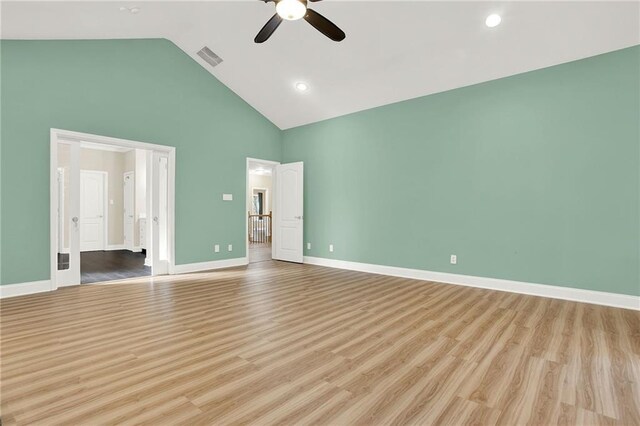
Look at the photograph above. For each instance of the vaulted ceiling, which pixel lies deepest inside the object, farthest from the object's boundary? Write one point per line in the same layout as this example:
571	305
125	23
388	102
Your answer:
394	50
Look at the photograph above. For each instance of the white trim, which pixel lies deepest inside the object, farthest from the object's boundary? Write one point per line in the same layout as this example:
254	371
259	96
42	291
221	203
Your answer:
248	203
207	266
112	247
22	289
53	211
542	290
70	136
137	249
61	218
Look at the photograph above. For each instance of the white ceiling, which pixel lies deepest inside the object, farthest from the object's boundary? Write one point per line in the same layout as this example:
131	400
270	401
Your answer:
260	168
394	50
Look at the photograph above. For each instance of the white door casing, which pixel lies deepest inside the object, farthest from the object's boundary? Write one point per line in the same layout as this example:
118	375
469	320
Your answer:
159	213
288	219
71	275
92	210
129	210
61	224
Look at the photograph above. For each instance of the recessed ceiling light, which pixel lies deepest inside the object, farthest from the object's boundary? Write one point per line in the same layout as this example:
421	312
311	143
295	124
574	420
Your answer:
493	20
133	10
302	87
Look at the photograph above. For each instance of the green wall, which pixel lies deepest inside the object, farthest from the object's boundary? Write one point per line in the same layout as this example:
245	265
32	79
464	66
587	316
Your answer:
532	178
146	90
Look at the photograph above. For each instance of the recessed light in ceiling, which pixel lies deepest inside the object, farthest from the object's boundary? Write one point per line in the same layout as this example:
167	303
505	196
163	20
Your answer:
133	9
302	87
493	20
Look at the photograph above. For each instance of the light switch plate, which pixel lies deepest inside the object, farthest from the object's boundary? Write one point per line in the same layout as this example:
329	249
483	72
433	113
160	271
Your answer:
216	248
227	197
230	247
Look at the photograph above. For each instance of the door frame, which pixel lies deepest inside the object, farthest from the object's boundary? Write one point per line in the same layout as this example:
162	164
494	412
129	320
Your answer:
248	191
61	219
68	136
105	206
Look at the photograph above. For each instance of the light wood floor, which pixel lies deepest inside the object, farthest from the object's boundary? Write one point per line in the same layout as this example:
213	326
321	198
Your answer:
279	343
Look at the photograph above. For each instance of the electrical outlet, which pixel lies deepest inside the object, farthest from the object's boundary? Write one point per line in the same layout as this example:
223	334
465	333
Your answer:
308	246
230	247
331	247
216	248
454	259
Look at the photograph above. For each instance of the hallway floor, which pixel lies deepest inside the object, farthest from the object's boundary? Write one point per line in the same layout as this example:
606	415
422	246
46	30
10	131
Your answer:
98	266
259	252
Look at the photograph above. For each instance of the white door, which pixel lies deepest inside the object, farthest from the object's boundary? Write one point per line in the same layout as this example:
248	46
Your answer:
288	220
159	214
92	210
129	202
68	272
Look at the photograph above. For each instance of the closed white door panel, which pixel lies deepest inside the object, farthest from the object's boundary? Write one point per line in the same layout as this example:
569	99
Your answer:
92	210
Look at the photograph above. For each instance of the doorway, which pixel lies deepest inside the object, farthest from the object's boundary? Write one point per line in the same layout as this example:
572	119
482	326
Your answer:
274	209
101	193
259	209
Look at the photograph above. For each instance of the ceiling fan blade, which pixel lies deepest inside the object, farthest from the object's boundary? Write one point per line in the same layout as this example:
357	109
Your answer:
324	25
268	29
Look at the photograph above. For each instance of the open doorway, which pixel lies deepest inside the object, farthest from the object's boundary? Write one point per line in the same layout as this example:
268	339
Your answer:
104	190
260	196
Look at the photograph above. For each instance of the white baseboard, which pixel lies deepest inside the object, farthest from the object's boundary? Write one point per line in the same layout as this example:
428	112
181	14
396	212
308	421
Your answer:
543	290
206	266
137	250
21	289
111	247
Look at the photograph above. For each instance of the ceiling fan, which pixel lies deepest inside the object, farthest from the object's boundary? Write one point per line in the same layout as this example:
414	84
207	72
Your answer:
292	10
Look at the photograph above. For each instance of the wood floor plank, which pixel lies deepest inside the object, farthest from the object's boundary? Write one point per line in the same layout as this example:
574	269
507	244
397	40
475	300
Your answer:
277	343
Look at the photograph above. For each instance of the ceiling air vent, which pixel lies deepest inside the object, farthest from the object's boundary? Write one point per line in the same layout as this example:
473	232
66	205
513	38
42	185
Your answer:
211	58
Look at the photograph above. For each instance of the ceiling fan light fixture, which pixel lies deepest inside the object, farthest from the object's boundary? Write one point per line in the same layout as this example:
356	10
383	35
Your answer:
493	20
291	10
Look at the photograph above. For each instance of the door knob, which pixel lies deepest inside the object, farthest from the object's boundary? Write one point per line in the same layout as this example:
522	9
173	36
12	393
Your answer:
155	219
75	221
